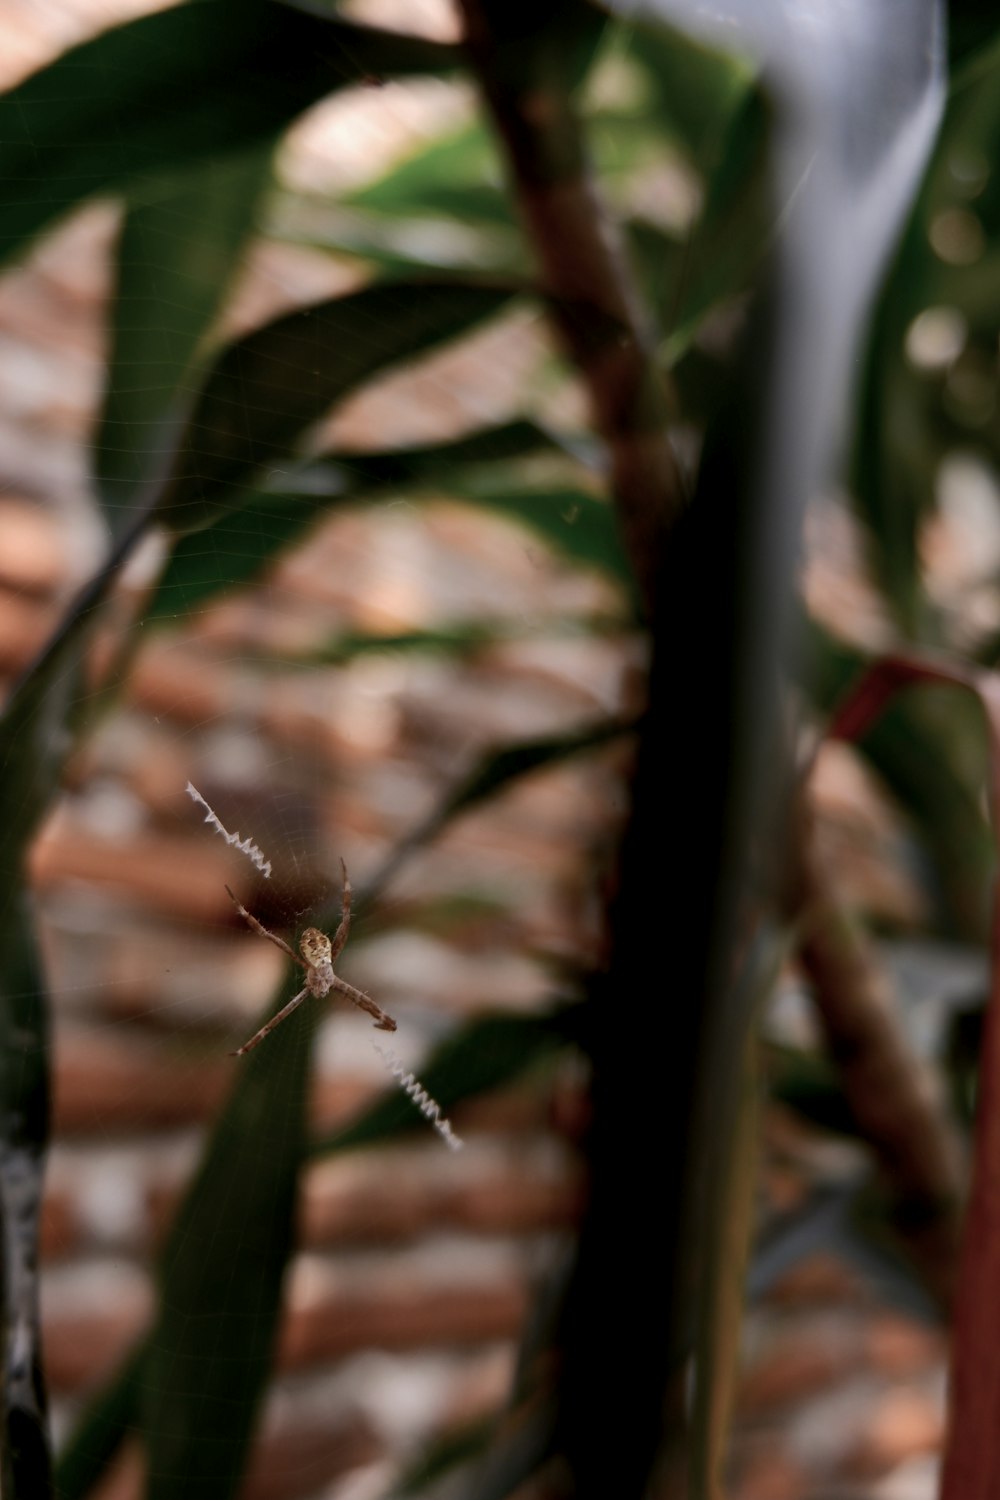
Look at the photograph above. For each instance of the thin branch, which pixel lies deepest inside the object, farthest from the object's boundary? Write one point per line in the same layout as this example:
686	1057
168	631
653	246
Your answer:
893	1096
594	302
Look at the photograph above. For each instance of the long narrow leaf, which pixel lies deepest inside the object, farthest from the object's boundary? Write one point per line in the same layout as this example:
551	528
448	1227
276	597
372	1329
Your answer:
177	253
182	86
267	388
221	1274
494	771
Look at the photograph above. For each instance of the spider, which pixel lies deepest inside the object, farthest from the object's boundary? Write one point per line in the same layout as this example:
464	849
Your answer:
318	956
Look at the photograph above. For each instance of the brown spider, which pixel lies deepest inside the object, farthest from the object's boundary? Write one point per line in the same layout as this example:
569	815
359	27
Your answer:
318	957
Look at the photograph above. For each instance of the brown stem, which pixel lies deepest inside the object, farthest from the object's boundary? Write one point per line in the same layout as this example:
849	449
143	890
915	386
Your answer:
892	1095
594	302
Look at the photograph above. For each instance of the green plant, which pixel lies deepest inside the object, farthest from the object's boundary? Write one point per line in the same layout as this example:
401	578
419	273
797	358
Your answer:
791	256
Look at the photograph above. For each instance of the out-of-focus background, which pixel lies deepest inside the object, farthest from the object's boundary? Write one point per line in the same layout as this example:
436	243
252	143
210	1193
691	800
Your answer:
331	699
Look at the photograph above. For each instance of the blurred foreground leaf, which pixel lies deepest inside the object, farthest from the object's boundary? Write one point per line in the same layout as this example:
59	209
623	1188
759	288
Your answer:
239	543
182	86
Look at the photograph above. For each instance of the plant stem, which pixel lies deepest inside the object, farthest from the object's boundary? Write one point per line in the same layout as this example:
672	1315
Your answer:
892	1095
594	302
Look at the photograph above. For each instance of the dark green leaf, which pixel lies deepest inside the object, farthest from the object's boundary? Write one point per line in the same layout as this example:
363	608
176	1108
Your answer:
267	388
177	253
809	1084
25	1461
178	87
909	417
728	242
221	1275
695	89
496	769
436	462
485	1054
578	524
455	1448
500	768
239	543
458	175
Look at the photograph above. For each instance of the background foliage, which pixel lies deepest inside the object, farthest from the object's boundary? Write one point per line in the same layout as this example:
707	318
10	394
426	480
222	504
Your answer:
210	442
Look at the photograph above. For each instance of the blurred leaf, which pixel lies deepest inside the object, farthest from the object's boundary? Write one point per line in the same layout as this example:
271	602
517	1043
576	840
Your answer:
581	526
963	1051
495	770
728	242
458	174
463	639
696	90
809	1084
499	768
25	1462
101	1430
486	1054
267	388
436	462
910	417
235	547
922	749
178	87
456	1447
177	253
221	1273
970	30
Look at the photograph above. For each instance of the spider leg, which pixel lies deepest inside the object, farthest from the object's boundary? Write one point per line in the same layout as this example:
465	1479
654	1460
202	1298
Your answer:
364	1002
340	936
259	928
269	1026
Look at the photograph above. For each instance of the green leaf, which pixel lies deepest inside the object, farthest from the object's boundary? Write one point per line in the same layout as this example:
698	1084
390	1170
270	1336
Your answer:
175	88
458	175
240	543
221	1272
909	418
267	388
434	463
696	90
494	771
728	242
464	638
581	526
486	1054
456	1447
177	253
